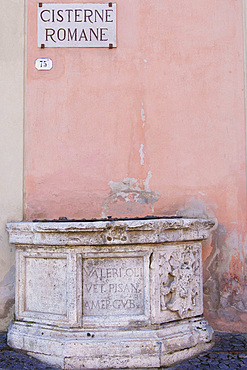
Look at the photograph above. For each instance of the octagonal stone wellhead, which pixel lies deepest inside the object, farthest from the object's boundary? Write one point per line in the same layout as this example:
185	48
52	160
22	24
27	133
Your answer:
110	294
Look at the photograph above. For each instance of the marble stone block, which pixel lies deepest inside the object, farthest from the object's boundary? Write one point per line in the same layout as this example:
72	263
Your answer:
110	294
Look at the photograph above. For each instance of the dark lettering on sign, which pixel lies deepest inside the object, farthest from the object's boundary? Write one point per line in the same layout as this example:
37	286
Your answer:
61	34
103	34
53	15
60	16
87	15
49	33
92	32
76	15
45	18
108	16
100	16
69	11
71	34
83	36
113	285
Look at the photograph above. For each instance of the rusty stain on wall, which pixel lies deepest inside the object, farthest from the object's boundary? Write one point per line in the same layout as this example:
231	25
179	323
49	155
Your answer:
130	196
225	285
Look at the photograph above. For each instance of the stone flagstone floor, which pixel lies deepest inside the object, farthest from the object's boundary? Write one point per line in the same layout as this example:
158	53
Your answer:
229	352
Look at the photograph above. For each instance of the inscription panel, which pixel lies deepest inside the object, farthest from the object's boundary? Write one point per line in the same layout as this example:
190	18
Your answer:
46	285
113	286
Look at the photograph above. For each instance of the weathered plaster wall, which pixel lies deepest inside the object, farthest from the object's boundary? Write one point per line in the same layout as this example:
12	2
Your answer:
11	143
155	126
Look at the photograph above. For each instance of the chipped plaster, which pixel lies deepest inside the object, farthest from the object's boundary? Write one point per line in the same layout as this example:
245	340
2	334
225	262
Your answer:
128	195
143	117
142	155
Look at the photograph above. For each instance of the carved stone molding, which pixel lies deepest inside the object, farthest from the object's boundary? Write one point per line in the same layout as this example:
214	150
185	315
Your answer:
180	281
159	230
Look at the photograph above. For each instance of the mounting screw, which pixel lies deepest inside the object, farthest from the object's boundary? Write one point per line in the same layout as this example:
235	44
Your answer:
40	5
110	46
42	46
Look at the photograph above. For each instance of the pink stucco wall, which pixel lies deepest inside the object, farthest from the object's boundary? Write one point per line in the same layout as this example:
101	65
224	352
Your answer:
155	126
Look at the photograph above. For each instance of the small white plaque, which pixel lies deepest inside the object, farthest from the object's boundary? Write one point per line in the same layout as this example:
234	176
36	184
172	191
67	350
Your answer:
43	64
77	25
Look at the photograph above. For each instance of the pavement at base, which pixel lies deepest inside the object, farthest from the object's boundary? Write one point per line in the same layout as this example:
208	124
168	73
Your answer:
229	352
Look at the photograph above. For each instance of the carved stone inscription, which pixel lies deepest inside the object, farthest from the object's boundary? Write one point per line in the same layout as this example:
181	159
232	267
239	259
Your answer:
113	286
46	285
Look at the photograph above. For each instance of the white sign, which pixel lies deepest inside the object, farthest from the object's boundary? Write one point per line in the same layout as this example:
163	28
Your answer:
76	25
43	64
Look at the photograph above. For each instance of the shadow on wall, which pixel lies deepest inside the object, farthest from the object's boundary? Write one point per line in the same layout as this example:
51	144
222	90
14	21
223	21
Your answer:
7	299
225	287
